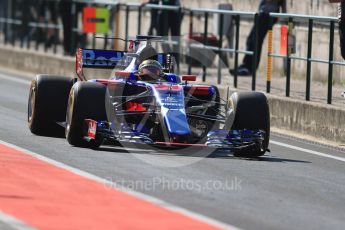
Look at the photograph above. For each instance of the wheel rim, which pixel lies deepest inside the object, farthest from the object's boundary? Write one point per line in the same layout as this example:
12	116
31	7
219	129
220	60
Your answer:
69	113
31	106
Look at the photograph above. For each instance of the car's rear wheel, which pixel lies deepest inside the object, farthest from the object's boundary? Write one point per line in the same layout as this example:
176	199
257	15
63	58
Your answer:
249	110
86	101
47	104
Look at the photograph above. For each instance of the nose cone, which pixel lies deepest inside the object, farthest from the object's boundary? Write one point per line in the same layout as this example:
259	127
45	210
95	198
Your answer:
176	122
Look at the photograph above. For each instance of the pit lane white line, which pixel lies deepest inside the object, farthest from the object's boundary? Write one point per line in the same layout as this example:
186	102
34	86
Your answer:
13	223
15	79
110	184
307	151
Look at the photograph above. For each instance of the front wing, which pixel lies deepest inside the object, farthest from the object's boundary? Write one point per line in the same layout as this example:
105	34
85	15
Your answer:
233	140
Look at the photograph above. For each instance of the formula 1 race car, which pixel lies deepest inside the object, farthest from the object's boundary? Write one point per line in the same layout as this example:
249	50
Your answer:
144	102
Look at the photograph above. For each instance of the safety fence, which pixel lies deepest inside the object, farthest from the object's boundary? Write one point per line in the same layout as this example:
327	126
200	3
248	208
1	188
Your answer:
30	25
291	18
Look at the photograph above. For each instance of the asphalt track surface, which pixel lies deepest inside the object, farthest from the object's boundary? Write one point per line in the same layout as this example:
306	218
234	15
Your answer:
297	186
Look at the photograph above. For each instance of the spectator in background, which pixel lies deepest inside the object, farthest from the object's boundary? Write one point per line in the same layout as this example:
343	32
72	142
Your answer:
81	38
341	14
342	27
69	20
3	8
26	31
264	25
30	12
154	17
48	14
67	23
170	21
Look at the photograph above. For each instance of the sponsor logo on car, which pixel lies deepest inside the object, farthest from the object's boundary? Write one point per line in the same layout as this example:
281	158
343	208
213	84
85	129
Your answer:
92	129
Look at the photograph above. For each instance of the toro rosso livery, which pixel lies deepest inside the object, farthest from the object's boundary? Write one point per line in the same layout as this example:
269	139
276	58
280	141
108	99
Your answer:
144	102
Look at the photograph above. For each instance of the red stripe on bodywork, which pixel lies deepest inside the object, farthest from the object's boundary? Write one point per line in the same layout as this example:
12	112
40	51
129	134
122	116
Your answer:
107	81
200	90
168	87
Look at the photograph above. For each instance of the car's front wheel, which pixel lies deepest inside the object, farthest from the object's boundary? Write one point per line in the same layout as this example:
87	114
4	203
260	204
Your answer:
86	101
249	110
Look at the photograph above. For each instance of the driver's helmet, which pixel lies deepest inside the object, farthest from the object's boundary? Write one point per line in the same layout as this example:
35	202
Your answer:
150	67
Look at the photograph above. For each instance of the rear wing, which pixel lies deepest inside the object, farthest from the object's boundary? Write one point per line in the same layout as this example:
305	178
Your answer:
92	58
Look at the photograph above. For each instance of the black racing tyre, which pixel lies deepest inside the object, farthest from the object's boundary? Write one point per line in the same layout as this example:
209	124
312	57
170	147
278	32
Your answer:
250	110
86	101
47	104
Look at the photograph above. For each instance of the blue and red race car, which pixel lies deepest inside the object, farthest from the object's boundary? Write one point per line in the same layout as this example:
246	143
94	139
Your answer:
134	106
